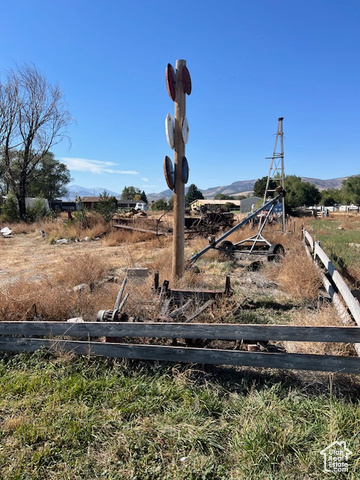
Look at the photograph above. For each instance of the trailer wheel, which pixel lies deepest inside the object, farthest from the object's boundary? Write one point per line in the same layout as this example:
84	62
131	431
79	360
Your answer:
226	247
276	252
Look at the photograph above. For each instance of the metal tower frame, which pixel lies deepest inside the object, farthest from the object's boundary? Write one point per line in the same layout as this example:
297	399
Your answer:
276	172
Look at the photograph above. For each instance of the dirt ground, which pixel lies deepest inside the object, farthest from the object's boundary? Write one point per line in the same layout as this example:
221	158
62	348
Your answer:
282	293
29	257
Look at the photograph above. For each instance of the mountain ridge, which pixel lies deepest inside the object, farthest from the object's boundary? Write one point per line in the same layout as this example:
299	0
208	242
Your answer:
239	187
245	187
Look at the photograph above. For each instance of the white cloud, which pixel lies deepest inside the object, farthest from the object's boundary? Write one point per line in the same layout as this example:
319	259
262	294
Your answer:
98	167
144	179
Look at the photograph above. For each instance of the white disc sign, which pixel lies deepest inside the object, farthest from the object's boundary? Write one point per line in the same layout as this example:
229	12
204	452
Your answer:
170	130
185	130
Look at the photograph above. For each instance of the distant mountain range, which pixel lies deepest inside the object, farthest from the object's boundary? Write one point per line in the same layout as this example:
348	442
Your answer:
240	187
79	191
245	187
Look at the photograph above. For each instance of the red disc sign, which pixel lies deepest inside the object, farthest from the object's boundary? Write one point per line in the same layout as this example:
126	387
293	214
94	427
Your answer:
186	79
170	81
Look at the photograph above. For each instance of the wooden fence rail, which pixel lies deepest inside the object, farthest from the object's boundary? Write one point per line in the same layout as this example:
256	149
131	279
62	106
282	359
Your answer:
209	331
58	330
336	282
326	363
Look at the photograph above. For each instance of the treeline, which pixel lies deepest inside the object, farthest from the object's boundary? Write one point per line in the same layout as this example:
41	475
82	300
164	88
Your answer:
300	193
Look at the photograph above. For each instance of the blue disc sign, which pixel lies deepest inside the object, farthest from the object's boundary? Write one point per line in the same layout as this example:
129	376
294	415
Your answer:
184	170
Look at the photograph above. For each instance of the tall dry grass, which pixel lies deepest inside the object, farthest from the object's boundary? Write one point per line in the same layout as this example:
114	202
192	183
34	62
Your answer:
93	225
296	274
53	298
118	237
325	316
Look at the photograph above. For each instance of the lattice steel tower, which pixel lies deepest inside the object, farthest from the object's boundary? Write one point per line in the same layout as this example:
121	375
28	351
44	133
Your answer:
276	177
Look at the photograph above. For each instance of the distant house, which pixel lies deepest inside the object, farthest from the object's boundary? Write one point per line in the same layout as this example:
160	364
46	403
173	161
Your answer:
62	206
348	208
90	202
126	204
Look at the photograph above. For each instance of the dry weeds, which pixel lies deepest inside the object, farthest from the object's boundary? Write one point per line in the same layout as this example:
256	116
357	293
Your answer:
325	316
52	297
118	237
296	274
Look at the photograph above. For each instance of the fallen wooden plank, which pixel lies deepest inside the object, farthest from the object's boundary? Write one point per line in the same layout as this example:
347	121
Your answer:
135	229
346	334
201	295
200	310
326	363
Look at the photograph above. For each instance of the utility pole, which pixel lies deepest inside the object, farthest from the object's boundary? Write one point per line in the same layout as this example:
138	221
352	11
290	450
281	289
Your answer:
276	172
178	84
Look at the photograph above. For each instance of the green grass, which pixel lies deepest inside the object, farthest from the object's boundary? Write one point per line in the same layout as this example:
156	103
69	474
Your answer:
82	418
336	240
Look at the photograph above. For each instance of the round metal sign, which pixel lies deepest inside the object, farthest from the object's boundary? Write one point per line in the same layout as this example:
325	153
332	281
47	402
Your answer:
169	173
170	130
185	130
184	170
170	81
186	79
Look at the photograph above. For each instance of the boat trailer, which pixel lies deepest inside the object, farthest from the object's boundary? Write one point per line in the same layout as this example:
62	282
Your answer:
255	245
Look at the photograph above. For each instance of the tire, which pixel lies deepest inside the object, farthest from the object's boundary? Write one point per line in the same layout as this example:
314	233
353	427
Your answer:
226	247
276	252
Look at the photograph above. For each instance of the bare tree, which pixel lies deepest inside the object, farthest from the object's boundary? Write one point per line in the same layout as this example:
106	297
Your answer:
33	119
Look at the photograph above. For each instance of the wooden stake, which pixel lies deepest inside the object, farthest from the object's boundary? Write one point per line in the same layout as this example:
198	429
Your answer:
178	265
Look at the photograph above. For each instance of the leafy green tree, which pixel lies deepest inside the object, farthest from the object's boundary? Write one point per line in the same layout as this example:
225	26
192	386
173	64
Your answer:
144	197
300	193
260	186
171	203
330	197
222	196
230	206
192	194
10	209
350	190
131	193
159	205
107	206
49	179
37	211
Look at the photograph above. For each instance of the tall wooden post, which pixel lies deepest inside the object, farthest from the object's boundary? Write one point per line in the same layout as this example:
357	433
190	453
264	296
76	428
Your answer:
178	265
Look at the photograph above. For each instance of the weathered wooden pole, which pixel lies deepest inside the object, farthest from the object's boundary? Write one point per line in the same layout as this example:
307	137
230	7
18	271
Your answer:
178	263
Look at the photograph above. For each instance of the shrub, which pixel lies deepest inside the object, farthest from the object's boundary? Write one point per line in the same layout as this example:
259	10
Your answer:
37	211
10	209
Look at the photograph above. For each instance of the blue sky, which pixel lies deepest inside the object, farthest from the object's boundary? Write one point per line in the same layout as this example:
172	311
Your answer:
250	62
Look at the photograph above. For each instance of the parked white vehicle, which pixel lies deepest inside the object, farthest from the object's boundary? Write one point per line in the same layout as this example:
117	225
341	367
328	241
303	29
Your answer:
141	206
